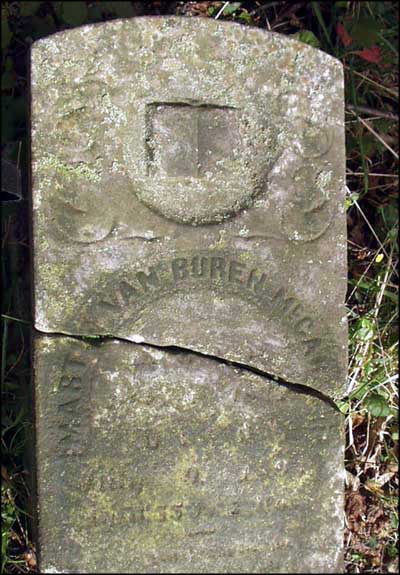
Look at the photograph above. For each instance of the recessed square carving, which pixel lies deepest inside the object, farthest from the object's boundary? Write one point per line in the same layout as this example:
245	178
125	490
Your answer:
186	140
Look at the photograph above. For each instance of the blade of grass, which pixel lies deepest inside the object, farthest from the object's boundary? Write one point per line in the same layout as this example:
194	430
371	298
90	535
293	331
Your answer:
360	140
4	350
388	44
317	11
372	230
393	93
221	11
10	317
377	136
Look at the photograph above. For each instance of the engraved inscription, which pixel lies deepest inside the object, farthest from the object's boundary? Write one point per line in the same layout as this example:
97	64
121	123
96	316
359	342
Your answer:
203	271
72	407
160	513
191	512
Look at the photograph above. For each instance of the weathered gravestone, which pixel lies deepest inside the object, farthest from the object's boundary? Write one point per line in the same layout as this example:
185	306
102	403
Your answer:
188	199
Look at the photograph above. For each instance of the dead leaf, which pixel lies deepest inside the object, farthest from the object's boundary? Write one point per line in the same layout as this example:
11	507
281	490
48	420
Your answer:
355	510
384	478
393	566
344	35
372	54
374	487
30	558
352	481
4	474
357	419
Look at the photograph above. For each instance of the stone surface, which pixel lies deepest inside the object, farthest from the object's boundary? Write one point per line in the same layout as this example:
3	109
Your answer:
188	190
157	462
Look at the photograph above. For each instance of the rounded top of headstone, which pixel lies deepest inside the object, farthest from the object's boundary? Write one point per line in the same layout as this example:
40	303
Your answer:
171	24
205	96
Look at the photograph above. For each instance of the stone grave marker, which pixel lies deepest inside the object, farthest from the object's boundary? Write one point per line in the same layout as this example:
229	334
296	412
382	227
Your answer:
190	272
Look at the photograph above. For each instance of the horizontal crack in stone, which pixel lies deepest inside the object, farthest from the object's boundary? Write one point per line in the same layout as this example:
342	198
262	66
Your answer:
297	387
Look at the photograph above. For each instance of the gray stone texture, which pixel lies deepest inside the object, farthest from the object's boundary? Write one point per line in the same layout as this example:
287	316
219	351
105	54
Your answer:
157	462
188	190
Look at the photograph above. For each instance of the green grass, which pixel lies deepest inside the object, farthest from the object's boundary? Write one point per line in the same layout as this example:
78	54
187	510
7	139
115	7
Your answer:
370	401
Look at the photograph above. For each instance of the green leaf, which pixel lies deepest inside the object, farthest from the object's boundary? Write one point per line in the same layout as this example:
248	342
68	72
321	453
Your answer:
57	7
389	214
365	31
350	200
7	120
42	26
231	8
365	330
317	11
377	405
7	80
359	392
120	9
343	406
245	17
391	295
95	13
19	110
307	37
369	144
9	64
29	8
74	13
6	34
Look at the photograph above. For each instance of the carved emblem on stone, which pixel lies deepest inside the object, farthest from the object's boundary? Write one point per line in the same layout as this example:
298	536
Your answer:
204	162
316	140
308	214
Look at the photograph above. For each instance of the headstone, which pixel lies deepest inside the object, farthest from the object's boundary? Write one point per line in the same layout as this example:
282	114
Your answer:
188	180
